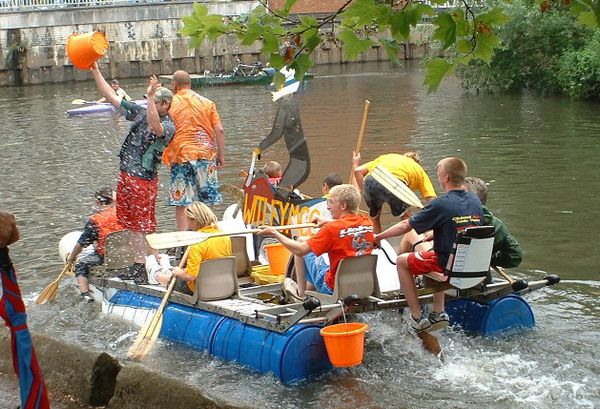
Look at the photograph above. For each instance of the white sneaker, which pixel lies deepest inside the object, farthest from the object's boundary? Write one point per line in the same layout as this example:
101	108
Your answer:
290	289
421	324
164	261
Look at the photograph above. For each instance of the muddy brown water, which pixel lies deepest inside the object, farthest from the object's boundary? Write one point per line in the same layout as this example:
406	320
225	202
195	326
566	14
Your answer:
539	154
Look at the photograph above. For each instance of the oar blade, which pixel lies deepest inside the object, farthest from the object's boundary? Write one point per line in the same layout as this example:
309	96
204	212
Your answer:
430	343
396	187
79	101
161	241
48	293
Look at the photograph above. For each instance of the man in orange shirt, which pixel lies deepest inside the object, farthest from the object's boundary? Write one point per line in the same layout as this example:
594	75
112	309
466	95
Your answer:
196	151
347	235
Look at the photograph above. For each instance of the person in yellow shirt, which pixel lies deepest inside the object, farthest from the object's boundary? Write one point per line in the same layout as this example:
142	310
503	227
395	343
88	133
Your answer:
202	220
405	167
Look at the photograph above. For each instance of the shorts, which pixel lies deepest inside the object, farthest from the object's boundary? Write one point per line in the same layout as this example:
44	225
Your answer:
316	270
376	195
421	262
194	181
136	203
85	261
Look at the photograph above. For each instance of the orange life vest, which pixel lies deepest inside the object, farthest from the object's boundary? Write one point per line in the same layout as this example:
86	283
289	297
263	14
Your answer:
106	222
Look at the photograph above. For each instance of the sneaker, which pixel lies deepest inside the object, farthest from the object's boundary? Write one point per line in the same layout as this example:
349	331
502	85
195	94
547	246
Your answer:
438	320
421	324
86	297
290	289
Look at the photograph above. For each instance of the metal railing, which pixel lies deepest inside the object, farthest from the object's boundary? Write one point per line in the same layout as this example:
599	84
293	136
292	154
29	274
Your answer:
33	5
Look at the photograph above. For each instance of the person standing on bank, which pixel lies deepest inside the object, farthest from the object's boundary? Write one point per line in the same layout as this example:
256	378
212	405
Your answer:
197	149
446	215
137	187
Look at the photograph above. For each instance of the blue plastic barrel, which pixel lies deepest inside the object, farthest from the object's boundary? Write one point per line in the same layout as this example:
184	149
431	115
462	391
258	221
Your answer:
295	355
507	313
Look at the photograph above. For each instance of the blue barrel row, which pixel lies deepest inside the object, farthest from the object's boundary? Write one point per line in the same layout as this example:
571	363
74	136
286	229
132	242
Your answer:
295	355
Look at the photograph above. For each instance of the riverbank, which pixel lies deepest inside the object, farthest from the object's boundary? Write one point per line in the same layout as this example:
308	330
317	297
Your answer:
77	378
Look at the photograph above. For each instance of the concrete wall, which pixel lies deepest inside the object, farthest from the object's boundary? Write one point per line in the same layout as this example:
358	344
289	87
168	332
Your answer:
143	41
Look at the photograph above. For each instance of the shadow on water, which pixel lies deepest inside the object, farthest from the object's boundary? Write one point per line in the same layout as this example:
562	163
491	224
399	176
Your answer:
539	155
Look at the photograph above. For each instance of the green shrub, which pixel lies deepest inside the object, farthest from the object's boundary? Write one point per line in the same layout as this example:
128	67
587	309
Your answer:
579	71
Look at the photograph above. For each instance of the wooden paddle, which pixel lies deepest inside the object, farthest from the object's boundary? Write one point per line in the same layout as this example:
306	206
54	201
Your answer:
81	102
51	289
430	343
361	134
161	241
151	329
395	186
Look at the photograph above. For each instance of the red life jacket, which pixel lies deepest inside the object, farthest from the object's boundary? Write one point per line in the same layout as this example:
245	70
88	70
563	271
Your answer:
106	222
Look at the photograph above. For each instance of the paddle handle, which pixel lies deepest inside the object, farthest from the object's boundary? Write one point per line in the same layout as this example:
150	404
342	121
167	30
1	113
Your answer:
361	133
503	274
285	227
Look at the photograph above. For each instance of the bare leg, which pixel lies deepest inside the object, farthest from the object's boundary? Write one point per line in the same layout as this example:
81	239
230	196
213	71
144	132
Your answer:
438	301
376	223
182	223
407	285
82	282
300	274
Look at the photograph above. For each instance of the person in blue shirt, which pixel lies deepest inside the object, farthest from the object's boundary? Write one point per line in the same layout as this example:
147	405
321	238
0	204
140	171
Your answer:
442	218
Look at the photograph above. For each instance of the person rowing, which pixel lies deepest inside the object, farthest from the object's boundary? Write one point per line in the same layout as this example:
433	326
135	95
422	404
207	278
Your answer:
406	167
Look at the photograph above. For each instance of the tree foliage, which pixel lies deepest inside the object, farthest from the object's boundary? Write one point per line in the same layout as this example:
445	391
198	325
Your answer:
539	51
468	32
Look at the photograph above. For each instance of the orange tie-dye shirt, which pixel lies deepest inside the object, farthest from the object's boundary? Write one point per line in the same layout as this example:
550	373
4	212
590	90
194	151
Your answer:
195	119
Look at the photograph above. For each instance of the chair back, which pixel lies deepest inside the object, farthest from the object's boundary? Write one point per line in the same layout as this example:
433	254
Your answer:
356	275
469	262
118	251
243	267
217	279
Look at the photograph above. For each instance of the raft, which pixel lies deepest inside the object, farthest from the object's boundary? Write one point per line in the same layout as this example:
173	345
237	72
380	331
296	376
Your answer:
99	108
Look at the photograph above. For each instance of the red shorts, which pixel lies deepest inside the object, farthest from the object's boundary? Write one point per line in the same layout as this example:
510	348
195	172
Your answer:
421	262
136	203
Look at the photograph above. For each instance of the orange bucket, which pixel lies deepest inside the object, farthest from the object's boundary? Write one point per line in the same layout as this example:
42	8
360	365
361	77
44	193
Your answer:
345	343
278	258
85	49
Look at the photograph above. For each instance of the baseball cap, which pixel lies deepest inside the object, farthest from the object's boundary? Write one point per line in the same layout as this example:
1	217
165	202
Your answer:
163	94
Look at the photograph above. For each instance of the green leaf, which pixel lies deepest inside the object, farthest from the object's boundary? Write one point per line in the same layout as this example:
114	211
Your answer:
399	26
270	42
200	10
495	16
436	69
439	2
287	7
276	61
446	31
391	48
415	12
311	39
308	21
278	80
361	11
588	18
253	32
353	45
464	46
301	64
484	46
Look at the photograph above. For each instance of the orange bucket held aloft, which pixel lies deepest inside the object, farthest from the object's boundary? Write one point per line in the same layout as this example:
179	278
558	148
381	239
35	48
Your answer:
278	258
345	343
85	49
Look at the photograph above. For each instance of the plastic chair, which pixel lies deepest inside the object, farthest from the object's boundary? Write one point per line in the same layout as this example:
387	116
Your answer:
118	252
469	263
243	267
217	279
354	276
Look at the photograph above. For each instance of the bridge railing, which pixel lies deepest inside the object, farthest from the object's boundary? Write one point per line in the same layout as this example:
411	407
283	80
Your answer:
32	5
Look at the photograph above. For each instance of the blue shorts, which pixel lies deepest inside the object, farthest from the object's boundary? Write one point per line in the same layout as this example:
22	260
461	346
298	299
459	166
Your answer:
194	181
316	267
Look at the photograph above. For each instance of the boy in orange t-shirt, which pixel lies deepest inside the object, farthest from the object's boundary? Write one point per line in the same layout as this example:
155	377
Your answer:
347	235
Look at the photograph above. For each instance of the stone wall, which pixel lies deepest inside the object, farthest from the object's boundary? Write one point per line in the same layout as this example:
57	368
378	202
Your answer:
143	41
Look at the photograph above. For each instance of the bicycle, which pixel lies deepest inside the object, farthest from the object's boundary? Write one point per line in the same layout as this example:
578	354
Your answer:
244	70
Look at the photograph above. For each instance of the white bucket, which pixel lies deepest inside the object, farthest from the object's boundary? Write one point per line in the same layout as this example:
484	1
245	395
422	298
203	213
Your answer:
66	244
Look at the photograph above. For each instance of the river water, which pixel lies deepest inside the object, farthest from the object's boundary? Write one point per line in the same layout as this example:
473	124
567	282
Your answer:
539	154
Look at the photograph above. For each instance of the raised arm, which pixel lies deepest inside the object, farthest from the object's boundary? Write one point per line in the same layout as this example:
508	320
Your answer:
104	87
153	117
